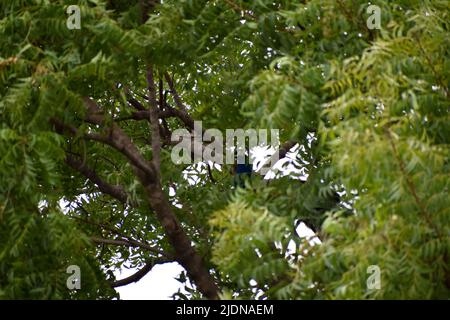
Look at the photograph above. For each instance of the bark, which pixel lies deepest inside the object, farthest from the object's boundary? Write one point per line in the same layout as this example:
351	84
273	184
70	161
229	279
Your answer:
116	192
184	251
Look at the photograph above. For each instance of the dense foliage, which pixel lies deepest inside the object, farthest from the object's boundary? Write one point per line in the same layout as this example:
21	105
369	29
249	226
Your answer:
86	176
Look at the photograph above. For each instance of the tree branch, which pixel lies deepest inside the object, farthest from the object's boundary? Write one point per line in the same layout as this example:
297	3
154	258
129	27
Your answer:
125	240
185	253
154	122
136	104
131	243
183	114
140	274
118	139
114	191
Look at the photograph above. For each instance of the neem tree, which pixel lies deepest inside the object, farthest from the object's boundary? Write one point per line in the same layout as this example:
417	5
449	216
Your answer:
86	117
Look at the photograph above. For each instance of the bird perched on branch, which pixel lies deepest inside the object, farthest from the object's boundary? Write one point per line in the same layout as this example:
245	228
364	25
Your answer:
241	173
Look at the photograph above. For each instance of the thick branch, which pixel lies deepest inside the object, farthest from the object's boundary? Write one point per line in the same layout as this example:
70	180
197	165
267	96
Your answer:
116	138
136	104
114	191
184	251
119	140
